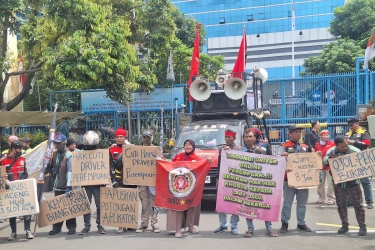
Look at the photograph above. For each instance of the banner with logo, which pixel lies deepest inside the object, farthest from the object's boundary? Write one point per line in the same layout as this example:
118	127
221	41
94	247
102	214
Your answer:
250	185
179	185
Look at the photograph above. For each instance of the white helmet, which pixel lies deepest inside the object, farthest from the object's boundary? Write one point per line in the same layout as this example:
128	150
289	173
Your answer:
91	138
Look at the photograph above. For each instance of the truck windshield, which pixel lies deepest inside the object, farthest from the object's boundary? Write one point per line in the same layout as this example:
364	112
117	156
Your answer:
206	135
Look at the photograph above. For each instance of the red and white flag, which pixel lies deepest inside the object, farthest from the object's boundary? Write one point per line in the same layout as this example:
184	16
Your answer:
370	51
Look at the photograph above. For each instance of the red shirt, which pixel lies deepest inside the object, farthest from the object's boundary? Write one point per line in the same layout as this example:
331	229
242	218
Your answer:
324	148
191	157
18	167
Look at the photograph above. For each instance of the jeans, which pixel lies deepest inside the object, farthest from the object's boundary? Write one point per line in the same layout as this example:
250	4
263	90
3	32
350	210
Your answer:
26	223
93	191
234	219
250	225
366	184
302	196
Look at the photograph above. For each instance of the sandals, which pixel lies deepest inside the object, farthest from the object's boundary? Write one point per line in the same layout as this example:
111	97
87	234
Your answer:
193	230
248	234
272	233
331	202
178	234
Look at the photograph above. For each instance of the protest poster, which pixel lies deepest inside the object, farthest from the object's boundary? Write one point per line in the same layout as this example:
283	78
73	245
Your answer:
250	185
140	164
305	170
119	207
2	178
63	207
353	166
90	167
20	199
180	184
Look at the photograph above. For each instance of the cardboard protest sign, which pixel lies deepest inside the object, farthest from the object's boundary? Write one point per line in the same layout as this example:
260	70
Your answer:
2	178
90	167
20	199
306	170
63	207
119	207
140	164
353	166
250	185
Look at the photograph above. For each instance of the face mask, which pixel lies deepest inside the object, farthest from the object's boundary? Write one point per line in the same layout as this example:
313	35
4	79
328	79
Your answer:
323	142
18	154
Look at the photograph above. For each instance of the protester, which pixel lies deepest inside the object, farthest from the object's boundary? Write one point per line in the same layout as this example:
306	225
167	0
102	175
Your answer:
321	148
176	220
98	132
61	170
147	199
345	189
361	139
115	153
91	142
251	146
230	137
11	139
302	195
73	134
16	170
71	145
79	140
312	137
26	145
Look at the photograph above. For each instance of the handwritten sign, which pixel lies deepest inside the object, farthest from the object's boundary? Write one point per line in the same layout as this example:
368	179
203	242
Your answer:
250	185
2	178
140	165
90	167
119	207
63	207
20	199
353	166
306	170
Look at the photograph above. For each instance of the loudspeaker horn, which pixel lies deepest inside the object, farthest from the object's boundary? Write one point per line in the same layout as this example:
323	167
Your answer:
235	88
261	73
200	90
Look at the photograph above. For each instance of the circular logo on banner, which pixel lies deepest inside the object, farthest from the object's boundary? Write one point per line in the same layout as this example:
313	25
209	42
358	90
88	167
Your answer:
332	94
181	182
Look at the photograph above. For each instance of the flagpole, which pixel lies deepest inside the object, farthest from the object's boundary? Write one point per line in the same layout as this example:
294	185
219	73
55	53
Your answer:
293	29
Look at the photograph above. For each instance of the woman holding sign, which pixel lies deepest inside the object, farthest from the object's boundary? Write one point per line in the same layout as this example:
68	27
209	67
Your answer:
176	220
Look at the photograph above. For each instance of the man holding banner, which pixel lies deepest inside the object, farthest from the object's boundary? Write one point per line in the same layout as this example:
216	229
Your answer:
302	195
348	188
230	137
16	170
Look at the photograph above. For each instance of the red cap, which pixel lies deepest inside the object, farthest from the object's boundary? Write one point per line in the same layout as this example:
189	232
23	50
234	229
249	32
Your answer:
228	133
120	132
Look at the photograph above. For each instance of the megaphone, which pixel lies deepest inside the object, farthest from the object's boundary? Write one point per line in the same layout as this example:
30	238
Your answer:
200	90
235	88
221	78
261	73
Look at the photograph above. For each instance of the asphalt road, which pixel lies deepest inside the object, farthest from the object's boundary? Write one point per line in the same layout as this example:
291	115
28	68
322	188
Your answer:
323	220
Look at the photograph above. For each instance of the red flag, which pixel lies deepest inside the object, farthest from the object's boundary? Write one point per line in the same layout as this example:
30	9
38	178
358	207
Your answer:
179	184
22	78
240	65
194	67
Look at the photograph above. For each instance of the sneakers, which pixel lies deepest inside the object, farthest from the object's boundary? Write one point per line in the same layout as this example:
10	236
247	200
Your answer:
12	236
120	230
156	229
84	231
362	231
141	229
53	232
343	230
370	205
284	227
221	229
29	235
331	202
234	231
193	230
72	231
101	230
304	228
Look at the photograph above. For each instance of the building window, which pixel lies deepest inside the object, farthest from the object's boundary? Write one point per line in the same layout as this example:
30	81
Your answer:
222	20
289	13
250	18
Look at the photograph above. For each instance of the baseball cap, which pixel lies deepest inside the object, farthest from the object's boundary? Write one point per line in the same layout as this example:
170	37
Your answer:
147	133
25	140
59	138
352	120
294	127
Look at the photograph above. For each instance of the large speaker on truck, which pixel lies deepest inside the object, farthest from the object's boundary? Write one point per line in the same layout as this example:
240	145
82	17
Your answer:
219	102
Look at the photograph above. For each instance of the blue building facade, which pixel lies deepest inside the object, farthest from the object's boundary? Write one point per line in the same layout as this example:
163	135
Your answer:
268	25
